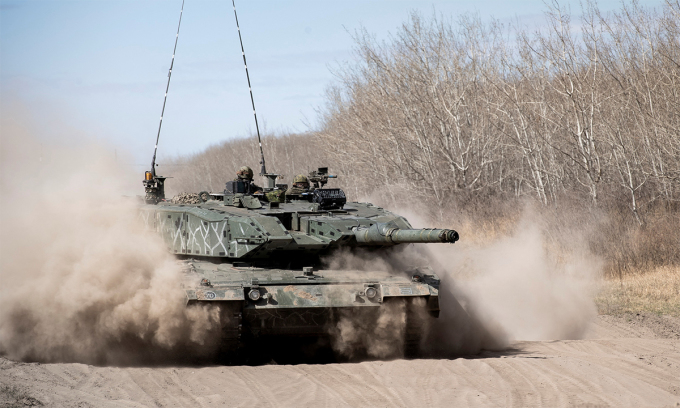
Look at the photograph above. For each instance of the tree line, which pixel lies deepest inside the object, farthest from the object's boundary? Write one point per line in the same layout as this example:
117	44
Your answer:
462	109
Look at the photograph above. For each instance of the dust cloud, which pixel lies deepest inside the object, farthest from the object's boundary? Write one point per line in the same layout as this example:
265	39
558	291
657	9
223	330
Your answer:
80	280
513	288
373	333
362	333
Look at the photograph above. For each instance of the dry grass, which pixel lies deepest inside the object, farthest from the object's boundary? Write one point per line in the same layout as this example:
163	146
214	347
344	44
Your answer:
656	291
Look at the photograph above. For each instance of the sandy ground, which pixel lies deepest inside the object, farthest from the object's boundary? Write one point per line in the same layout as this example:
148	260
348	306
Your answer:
626	361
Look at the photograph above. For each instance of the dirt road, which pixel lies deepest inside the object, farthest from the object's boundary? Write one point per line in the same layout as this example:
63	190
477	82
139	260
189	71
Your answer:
627	361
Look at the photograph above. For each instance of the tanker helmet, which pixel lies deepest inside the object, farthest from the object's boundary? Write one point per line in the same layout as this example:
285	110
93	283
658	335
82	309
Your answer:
245	172
300	178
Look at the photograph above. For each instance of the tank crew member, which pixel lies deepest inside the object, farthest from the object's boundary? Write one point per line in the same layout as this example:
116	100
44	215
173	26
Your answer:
300	185
245	173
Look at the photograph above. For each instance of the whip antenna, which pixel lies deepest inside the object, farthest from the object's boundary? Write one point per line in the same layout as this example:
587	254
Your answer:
165	99
263	170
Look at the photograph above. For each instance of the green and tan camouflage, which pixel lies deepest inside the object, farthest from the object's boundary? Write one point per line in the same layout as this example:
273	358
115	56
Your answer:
258	255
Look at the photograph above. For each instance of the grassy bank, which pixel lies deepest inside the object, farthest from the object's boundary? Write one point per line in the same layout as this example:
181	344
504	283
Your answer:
656	291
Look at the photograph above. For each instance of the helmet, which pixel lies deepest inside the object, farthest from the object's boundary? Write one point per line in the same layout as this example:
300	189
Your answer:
245	172
300	179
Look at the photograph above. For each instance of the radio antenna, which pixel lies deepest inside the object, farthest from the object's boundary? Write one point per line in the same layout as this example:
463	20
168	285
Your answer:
263	169
165	99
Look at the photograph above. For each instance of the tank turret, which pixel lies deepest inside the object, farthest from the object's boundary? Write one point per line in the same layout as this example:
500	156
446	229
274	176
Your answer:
239	225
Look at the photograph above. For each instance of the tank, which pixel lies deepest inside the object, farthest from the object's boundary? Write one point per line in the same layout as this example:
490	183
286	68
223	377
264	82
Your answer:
257	254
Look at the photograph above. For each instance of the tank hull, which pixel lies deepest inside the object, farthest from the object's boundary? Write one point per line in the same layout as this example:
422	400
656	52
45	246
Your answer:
297	303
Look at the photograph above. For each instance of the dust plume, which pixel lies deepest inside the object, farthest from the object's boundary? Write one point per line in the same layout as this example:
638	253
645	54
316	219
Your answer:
374	333
512	289
81	281
515	287
369	332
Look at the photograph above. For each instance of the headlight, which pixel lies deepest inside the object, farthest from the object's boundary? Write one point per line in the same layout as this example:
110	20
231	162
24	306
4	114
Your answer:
254	295
371	292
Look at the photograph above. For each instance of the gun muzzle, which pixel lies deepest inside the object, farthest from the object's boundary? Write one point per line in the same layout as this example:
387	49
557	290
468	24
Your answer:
388	234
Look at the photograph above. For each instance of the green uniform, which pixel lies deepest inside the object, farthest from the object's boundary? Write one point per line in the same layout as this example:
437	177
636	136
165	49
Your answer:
296	190
276	196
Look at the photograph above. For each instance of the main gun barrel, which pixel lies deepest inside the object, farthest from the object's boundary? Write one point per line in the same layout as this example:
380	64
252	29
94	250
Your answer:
387	234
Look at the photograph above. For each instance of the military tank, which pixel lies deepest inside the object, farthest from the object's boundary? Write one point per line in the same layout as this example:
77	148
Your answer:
257	253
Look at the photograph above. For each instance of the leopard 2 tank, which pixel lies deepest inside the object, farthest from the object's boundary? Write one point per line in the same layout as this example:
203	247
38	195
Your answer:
259	257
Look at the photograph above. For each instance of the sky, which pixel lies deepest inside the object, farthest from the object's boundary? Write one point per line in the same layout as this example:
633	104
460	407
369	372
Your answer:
100	66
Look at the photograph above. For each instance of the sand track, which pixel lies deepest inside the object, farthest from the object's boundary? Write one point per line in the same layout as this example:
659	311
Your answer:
631	361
